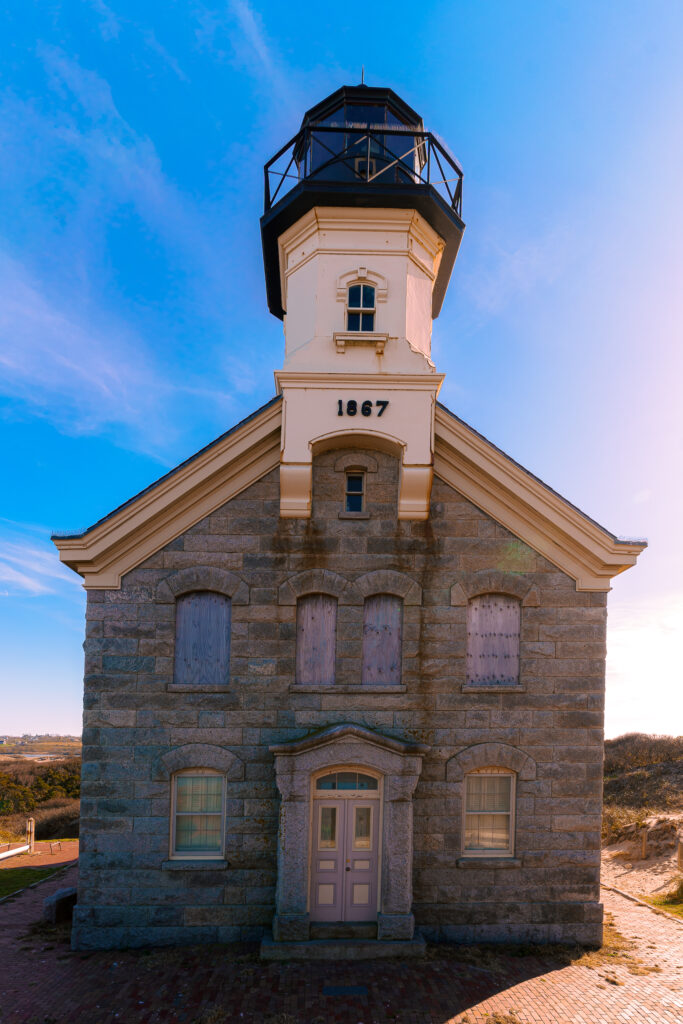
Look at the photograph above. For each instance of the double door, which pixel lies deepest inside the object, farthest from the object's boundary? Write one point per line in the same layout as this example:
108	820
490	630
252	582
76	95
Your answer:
344	859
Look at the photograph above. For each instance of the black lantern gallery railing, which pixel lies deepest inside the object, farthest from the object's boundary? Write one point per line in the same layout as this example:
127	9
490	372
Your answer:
370	155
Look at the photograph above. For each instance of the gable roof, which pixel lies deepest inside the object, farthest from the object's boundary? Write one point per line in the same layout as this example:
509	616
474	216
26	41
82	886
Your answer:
463	458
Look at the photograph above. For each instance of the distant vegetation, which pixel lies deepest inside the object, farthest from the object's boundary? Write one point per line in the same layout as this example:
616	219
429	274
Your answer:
48	792
643	777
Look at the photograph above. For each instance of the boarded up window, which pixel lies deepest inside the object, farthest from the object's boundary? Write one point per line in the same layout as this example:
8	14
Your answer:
493	640
382	622
316	639
202	639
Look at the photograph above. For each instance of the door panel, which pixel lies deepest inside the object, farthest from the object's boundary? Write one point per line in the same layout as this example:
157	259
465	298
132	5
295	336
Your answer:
360	874
327	860
344	860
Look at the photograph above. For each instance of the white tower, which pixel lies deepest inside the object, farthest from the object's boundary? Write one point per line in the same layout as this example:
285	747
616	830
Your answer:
361	230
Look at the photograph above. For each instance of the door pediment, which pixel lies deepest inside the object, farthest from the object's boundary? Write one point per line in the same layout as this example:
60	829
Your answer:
342	744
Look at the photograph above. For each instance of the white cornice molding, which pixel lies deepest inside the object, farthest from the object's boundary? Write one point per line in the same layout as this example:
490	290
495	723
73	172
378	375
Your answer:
534	513
462	458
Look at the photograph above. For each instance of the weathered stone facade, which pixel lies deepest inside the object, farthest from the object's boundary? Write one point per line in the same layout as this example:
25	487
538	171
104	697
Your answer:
138	729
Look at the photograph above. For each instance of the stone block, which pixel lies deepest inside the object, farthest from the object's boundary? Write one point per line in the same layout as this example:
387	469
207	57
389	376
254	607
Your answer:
59	906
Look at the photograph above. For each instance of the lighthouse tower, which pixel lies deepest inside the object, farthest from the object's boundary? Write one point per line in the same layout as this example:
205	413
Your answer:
360	232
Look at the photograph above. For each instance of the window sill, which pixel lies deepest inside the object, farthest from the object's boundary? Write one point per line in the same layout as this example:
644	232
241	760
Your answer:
473	688
199	864
206	688
335	688
344	338
354	515
488	862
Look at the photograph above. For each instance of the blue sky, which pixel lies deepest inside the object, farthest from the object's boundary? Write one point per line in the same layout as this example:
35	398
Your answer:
133	324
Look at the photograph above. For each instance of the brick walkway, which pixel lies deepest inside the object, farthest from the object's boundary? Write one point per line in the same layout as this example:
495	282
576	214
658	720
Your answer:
42	982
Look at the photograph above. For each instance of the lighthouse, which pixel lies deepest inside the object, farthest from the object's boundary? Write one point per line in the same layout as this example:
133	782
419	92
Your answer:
345	665
361	228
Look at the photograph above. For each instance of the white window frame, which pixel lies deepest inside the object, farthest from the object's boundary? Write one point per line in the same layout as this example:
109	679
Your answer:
348	493
510	850
196	854
361	309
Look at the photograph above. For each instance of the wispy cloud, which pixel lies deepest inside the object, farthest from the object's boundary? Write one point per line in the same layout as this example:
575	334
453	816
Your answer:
65	352
503	275
30	567
236	32
81	375
108	21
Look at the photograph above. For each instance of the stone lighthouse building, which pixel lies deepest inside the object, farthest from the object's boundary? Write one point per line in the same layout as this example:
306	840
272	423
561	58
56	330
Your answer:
344	675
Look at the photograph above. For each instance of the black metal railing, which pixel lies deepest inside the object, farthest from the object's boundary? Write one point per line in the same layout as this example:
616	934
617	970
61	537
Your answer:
373	155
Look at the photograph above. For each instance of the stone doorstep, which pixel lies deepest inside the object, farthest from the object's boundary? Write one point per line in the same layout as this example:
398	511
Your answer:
342	949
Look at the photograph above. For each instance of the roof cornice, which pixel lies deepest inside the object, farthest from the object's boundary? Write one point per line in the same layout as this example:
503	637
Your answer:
527	507
465	460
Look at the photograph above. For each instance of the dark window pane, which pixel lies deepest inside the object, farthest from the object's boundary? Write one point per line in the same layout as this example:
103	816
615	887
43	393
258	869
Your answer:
368	297
327	782
354	483
368	322
366	782
354	502
353	322
354	296
347	780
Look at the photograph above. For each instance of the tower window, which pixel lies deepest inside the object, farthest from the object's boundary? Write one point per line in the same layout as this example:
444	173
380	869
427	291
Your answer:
355	492
360	311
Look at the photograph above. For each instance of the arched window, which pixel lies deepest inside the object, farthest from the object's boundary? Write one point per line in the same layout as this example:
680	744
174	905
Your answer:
489	813
202	640
360	308
493	622
198	814
382	636
316	639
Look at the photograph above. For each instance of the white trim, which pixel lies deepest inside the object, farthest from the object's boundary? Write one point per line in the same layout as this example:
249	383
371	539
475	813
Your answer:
335	794
196	854
509	851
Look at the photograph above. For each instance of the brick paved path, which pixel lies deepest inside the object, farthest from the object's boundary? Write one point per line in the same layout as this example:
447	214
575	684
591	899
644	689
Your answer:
42	982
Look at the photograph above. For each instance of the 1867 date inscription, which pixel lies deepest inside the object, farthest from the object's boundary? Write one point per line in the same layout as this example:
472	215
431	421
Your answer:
366	408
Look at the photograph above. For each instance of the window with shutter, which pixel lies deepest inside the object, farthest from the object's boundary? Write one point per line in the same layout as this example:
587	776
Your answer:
493	622
316	639
382	630
202	640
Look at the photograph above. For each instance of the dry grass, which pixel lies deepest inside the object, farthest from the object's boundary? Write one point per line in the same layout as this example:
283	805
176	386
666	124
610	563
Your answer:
615	819
55	819
671	901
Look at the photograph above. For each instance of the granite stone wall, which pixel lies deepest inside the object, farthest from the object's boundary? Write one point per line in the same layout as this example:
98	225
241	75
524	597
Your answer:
138	729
